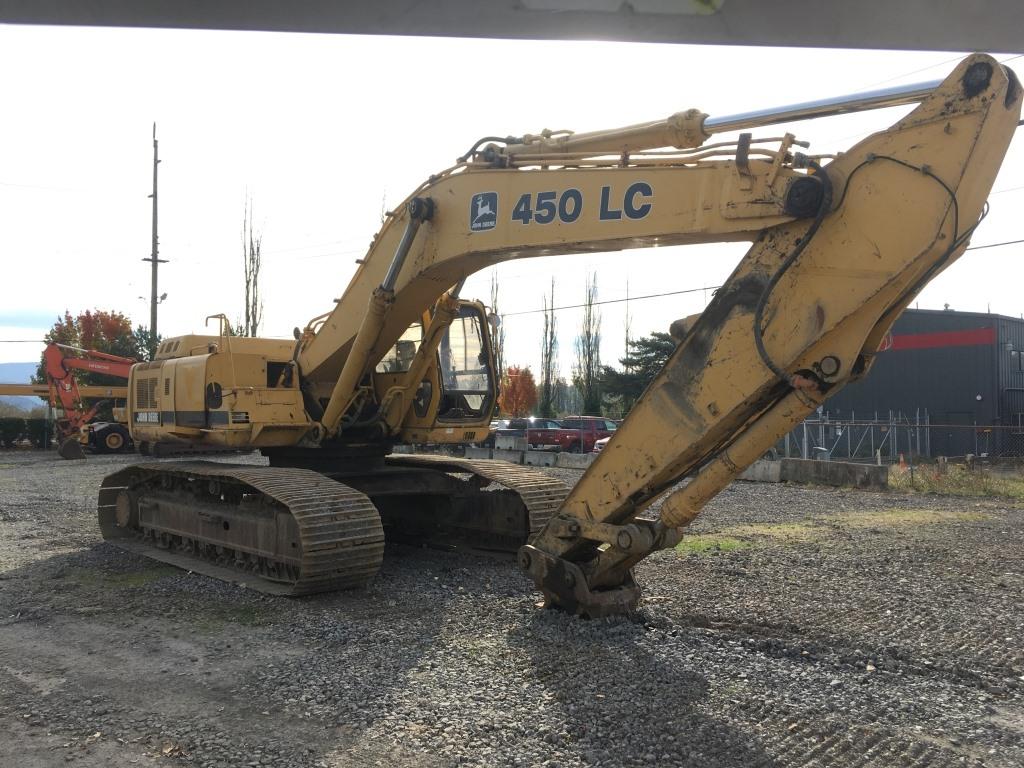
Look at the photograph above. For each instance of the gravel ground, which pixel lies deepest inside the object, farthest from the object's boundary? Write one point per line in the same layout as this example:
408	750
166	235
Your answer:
800	627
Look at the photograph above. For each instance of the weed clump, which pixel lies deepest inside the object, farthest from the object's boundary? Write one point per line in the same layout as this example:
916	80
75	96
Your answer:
957	480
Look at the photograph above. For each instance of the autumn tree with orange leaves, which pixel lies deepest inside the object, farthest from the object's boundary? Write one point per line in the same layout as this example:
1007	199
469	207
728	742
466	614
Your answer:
518	392
98	329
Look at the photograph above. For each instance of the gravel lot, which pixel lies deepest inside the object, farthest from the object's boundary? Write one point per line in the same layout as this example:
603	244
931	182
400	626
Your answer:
800	627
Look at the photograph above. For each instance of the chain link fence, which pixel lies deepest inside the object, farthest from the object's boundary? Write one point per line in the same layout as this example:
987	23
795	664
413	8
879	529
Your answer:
900	437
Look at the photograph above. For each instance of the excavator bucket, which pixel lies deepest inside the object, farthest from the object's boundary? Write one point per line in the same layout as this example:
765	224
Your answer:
70	448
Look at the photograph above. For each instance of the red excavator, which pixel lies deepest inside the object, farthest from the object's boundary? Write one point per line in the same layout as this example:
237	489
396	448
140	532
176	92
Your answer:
76	428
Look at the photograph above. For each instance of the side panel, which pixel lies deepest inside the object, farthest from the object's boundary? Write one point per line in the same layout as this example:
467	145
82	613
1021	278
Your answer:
144	401
186	384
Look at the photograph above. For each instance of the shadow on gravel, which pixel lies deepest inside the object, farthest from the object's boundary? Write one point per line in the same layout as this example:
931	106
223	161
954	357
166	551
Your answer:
67	580
238	673
625	705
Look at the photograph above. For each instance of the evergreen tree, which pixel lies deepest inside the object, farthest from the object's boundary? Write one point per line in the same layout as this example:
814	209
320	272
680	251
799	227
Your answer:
647	356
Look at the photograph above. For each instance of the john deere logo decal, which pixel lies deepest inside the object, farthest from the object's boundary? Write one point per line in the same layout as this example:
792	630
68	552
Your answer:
483	211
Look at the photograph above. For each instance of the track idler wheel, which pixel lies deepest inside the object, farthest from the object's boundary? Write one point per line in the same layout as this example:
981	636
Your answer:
126	511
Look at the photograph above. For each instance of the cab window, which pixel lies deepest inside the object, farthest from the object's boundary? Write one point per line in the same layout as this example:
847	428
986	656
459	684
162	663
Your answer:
399	357
463	363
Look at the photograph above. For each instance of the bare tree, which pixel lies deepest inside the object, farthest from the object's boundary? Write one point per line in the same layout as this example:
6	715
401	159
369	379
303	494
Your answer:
586	372
567	398
252	244
498	339
548	357
629	328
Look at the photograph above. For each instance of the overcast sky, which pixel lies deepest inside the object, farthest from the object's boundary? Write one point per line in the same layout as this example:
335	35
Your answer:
320	131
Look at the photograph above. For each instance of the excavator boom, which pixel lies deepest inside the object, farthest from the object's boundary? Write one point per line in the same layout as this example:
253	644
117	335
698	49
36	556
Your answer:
85	390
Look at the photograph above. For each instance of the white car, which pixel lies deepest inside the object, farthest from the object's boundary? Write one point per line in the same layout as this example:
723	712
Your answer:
600	444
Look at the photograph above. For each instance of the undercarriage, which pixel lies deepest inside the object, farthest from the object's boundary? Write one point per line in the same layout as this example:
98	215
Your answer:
295	531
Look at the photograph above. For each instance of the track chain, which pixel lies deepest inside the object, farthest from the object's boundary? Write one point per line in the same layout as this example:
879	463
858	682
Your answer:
340	531
541	494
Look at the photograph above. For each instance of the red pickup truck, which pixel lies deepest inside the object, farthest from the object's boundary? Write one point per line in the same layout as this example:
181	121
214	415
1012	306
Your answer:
576	434
585	431
539	433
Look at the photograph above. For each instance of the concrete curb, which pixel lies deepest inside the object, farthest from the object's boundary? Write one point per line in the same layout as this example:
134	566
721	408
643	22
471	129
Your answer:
574	460
834	473
539	458
532	458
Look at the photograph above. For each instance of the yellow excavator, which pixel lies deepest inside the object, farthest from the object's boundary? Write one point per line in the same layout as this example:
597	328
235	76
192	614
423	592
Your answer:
841	244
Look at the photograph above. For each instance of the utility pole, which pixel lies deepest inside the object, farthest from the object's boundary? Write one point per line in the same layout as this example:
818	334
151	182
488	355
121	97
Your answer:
154	258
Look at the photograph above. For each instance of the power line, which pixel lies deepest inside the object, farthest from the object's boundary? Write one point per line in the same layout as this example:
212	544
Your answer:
39	186
993	245
615	301
333	254
599	303
862	134
954	60
705	288
292	248
917	71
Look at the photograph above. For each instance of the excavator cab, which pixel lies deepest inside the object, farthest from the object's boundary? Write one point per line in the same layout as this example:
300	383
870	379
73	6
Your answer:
466	371
457	389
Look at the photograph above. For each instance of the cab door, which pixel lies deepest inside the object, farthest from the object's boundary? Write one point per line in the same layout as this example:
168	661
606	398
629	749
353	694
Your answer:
465	366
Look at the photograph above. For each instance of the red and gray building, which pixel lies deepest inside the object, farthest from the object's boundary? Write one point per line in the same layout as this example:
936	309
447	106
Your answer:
964	371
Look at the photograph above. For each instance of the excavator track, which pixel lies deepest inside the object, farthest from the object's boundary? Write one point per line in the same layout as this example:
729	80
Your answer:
281	531
541	494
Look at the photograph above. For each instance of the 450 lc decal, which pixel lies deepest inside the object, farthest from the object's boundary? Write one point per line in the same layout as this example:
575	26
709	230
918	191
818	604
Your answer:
545	207
566	207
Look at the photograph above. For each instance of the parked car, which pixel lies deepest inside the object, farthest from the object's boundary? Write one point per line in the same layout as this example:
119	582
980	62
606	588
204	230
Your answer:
539	433
545	434
496	425
600	444
588	430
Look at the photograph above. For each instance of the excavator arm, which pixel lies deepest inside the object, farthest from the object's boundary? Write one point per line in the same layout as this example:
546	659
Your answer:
801	316
64	390
839	249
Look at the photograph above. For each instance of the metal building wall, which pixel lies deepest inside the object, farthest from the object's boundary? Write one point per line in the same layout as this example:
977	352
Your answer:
1010	370
954	365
